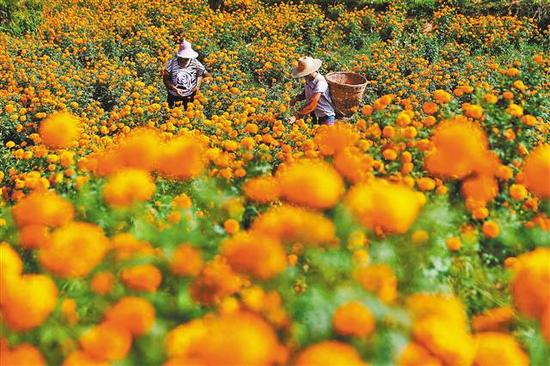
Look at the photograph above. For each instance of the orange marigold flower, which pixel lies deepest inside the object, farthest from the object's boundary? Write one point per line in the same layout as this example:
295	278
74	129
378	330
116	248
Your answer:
11	265
231	226
514	110
537	171
179	340
186	261
480	213
143	277
28	302
512	71
441	96
254	253
389	154
452	348
518	192
529	120
68	309
252	341
508	95
22	355
454	244
106	342
102	283
332	139
379	279
182	201
504	172
490	229
216	281
140	149
433	316
429	121
450	159
430	108
42	208
366	110
126	246
134	314
482	188
498	349
80	358
262	189
531	282
403	119
329	353
128	186
493	319
381	204
59	130
74	249
310	183
353	164
442	306
388	131
416	355
353	319
426	184
382	102
294	224
182	158
490	98
420	236
518	84
34	236
473	110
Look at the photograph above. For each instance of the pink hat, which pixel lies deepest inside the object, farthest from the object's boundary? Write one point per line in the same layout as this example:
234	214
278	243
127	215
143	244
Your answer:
186	51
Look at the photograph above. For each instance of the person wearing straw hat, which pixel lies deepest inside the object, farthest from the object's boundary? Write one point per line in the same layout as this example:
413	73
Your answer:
316	92
183	75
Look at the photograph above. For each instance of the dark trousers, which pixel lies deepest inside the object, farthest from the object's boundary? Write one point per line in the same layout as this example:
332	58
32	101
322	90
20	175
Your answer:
172	100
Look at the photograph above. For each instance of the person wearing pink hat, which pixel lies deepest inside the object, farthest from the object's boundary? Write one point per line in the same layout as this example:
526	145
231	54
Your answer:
316	93
183	76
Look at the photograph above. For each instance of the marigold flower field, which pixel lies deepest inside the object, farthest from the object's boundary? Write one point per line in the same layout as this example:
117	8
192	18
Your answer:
415	233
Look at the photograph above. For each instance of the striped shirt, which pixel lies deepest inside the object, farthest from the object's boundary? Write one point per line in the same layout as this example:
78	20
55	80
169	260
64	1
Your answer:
184	78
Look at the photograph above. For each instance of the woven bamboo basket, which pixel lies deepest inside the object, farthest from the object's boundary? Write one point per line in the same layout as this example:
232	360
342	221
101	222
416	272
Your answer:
346	90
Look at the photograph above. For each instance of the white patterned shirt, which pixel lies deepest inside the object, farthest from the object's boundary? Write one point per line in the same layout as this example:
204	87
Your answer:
184	78
320	85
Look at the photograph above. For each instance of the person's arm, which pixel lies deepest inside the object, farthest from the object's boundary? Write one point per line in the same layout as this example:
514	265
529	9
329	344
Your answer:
202	74
168	82
310	106
199	82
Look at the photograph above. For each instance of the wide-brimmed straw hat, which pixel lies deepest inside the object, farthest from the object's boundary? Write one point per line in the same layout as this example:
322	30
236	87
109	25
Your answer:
306	65
186	51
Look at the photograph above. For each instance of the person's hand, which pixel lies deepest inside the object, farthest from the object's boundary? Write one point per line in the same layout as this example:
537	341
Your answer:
175	90
207	80
291	120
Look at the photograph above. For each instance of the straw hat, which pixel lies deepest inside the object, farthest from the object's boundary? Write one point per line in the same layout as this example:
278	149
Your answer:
186	51
306	65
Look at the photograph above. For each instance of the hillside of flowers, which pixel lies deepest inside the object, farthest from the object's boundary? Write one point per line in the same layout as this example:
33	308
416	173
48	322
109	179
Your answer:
416	233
